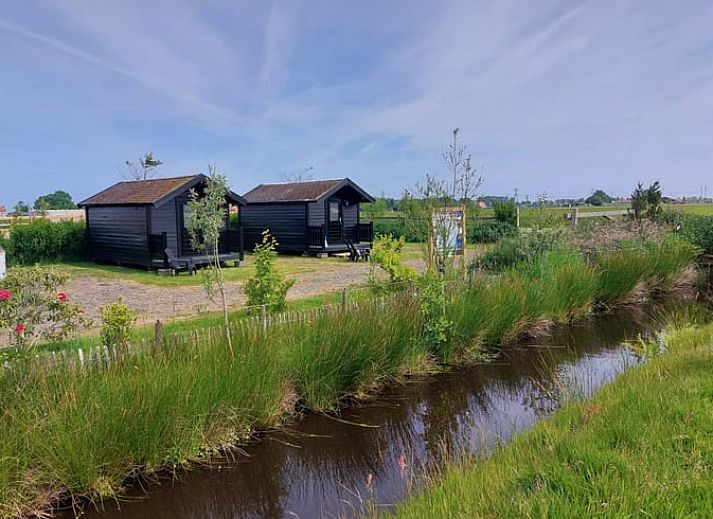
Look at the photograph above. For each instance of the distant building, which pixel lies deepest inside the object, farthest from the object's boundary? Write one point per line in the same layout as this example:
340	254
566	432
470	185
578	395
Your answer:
3	210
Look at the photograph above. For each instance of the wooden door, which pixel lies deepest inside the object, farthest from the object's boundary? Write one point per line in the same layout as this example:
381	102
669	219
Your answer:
335	219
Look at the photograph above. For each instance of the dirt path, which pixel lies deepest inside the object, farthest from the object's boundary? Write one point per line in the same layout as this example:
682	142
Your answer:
153	302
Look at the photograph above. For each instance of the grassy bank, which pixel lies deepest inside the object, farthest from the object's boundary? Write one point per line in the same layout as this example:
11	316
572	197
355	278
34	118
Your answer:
641	447
76	431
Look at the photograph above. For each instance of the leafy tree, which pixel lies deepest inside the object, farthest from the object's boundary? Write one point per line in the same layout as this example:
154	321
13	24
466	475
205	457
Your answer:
56	200
21	207
143	169
208	216
598	198
375	209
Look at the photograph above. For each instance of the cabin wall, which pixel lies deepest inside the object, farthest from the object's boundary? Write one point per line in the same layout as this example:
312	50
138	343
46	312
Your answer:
163	219
317	213
118	234
286	222
350	215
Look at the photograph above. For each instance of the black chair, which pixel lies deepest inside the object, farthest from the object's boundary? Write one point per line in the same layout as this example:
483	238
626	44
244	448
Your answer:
178	264
355	252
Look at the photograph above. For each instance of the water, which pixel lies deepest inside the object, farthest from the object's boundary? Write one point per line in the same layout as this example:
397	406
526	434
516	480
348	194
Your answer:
324	467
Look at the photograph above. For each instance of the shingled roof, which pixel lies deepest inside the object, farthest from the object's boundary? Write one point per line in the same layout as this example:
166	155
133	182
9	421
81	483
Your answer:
147	192
308	191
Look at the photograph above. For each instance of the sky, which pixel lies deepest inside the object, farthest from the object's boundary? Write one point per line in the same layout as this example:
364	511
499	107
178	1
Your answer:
561	97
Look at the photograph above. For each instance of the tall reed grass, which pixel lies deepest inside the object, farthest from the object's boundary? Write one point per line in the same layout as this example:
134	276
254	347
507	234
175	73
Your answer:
71	431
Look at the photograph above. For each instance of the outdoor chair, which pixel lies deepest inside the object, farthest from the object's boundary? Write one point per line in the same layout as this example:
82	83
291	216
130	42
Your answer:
356	252
178	264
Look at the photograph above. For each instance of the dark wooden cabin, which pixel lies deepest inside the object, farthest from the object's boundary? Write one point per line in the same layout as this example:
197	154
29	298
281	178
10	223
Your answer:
317	217
134	222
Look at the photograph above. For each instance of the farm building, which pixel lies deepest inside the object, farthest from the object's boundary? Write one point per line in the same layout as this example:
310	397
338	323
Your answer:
143	223
317	217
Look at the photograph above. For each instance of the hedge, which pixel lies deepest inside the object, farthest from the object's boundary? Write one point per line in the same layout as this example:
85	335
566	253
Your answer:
43	241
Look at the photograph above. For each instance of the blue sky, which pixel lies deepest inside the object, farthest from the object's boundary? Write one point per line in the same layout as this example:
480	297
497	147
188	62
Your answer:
562	97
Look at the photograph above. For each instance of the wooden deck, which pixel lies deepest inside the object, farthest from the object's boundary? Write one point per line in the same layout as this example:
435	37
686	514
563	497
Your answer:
200	261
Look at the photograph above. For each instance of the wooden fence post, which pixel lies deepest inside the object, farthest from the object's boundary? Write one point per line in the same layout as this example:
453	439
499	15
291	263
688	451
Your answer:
344	298
263	317
158	334
575	216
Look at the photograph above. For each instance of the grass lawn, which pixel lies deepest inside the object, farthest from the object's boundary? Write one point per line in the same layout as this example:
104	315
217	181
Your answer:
288	265
642	447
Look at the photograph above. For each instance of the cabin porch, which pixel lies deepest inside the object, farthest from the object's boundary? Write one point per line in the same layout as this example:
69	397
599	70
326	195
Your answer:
335	238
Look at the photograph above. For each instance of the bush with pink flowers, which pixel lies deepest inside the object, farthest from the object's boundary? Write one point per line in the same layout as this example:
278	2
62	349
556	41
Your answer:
32	308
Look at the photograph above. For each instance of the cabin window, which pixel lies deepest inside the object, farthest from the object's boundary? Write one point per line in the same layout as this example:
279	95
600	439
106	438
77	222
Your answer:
187	216
333	211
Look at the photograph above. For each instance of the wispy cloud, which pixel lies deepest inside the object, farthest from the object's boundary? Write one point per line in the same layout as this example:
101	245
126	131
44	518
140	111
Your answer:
549	95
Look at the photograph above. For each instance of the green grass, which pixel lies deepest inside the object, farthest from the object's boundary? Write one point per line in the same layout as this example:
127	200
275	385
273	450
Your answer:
641	447
288	265
81	432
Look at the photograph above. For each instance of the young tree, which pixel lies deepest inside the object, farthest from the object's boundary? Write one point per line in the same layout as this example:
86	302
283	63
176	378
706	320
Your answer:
208	216
299	175
268	286
639	202
143	170
438	195
654	198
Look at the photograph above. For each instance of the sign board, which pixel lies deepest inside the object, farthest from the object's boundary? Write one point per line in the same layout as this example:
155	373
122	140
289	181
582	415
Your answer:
448	231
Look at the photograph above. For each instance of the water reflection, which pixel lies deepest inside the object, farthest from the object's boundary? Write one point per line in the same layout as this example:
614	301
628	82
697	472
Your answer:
328	468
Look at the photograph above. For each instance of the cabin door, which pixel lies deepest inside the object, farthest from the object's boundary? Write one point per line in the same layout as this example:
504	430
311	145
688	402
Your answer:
335	222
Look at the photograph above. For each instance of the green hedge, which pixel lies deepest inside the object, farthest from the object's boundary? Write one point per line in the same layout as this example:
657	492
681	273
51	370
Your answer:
490	231
41	241
696	228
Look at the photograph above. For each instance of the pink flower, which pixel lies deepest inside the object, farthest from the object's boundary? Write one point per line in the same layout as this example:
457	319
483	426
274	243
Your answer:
5	295
19	328
62	297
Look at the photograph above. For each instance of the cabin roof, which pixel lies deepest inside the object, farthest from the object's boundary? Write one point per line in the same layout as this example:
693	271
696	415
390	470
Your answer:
149	192
307	191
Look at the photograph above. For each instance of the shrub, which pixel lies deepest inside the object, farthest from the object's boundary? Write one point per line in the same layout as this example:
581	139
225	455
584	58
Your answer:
490	231
268	286
32	308
41	241
696	228
506	212
117	323
386	254
521	248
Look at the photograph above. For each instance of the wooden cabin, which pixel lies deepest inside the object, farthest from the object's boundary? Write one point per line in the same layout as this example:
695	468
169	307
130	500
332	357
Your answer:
314	217
143	223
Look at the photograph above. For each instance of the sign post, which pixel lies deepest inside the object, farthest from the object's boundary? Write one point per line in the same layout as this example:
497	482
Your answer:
448	234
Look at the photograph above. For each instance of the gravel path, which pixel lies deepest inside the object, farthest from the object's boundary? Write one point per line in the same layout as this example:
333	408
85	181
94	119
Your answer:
154	302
